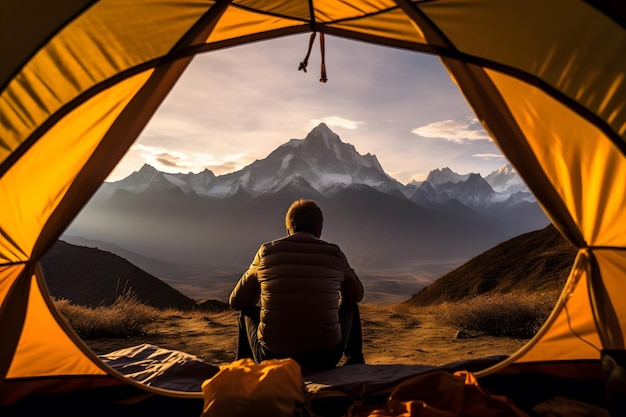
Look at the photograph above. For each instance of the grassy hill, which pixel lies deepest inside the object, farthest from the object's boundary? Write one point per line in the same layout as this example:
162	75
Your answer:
92	277
532	262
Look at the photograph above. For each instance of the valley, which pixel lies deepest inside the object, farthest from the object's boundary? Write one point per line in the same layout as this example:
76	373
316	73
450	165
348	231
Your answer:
385	286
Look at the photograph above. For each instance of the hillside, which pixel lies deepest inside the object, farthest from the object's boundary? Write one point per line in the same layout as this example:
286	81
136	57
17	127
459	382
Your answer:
534	261
92	277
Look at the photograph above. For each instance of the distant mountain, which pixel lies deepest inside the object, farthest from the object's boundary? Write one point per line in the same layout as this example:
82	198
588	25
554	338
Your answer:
511	209
92	277
473	192
321	161
216	223
445	175
536	261
506	180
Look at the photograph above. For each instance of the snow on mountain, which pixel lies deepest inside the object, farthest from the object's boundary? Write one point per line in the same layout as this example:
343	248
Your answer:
146	178
443	185
442	176
321	159
193	182
149	178
506	180
322	162
473	192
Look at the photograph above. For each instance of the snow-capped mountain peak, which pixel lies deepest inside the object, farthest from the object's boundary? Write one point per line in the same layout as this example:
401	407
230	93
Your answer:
442	176
472	190
506	180
146	178
323	145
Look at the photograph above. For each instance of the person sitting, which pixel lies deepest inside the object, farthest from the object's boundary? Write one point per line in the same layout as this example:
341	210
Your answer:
308	296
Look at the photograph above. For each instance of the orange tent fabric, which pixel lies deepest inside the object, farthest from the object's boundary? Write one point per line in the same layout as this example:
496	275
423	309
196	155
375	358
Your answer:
81	78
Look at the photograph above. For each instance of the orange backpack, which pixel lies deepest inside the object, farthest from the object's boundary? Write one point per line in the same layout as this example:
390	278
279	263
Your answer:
274	387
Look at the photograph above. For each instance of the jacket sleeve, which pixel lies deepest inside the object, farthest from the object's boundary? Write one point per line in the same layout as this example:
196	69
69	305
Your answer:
352	288
247	292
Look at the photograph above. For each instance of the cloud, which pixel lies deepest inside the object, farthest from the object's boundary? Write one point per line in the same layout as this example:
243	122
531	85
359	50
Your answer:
160	156
176	161
453	131
226	163
169	160
336	121
418	177
224	168
488	155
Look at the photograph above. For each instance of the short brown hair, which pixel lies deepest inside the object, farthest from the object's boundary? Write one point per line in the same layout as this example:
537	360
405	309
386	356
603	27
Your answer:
304	216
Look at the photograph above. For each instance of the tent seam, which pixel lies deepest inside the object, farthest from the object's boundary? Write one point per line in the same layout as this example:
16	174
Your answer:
311	11
44	42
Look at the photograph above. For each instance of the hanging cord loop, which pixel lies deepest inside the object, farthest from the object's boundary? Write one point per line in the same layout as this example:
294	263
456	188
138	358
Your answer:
305	61
323	78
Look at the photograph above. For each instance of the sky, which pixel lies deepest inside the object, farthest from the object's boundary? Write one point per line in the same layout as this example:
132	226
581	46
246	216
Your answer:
234	106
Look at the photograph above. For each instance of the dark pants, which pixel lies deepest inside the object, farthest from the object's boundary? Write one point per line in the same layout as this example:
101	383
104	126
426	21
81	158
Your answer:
350	345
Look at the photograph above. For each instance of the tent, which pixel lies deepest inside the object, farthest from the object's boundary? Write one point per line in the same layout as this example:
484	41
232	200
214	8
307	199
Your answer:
80	79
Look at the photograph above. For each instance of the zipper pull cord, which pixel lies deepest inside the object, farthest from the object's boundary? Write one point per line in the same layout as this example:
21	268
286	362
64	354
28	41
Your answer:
305	61
323	78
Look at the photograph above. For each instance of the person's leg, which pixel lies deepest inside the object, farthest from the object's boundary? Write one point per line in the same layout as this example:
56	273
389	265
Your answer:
247	339
351	333
248	344
350	345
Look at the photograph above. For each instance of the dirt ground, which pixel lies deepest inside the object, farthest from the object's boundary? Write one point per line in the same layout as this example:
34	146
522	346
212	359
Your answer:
391	335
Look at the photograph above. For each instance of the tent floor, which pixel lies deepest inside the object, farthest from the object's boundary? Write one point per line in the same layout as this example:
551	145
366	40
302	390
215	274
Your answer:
119	401
525	390
332	392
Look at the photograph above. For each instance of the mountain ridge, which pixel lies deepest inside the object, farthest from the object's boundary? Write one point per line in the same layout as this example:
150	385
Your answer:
321	158
378	224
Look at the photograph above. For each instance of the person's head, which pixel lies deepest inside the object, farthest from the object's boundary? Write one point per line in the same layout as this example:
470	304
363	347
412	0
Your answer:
304	216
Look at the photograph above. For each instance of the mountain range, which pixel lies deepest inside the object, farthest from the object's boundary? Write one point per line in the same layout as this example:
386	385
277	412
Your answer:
322	163
204	228
319	163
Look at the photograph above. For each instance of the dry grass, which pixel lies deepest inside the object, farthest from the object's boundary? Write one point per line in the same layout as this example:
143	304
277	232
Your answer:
125	317
391	334
518	315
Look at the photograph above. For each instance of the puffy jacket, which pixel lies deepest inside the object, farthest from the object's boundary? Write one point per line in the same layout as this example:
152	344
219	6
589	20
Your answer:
300	281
